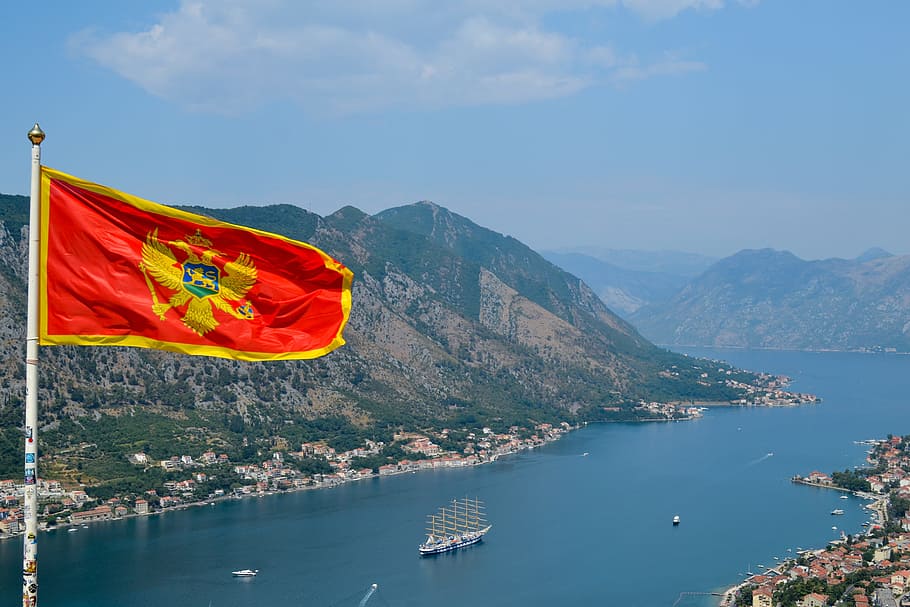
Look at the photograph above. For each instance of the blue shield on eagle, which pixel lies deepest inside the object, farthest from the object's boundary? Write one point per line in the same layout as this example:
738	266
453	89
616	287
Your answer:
200	279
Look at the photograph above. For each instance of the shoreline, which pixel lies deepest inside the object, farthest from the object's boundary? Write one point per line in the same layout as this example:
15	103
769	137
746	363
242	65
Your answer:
878	507
258	494
211	500
492	459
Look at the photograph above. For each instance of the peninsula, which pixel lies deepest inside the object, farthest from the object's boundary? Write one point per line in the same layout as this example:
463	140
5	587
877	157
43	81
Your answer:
870	567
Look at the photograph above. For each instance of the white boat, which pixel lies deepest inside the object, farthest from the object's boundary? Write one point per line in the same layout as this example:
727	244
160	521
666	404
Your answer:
245	573
72	530
844	497
675	520
837	511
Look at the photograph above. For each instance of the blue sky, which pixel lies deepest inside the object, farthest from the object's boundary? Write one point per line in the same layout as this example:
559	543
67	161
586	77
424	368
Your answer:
697	125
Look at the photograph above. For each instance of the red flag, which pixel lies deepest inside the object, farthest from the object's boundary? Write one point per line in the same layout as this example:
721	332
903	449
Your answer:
117	270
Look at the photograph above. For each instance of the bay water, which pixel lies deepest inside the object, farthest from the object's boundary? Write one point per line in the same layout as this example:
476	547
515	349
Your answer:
582	521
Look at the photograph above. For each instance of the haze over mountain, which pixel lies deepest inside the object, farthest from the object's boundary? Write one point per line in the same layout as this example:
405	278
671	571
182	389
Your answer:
676	263
623	290
773	299
627	279
451	324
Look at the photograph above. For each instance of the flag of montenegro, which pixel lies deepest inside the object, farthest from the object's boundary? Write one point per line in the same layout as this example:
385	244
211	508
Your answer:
117	270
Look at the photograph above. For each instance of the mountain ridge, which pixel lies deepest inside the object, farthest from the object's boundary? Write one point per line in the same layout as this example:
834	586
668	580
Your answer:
766	298
452	325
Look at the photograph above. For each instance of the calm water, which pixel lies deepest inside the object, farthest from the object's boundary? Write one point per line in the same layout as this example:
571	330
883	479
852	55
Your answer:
568	529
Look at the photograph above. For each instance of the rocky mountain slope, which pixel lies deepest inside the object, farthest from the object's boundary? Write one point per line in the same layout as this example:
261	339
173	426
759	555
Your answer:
773	299
451	325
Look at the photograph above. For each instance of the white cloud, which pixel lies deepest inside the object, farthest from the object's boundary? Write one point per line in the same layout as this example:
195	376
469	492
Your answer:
670	65
664	9
355	55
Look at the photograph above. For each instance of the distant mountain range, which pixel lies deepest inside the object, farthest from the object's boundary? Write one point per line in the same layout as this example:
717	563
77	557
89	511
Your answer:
773	299
755	298
675	263
626	288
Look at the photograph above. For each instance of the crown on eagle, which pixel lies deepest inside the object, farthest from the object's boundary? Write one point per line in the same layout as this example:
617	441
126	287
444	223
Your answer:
198	239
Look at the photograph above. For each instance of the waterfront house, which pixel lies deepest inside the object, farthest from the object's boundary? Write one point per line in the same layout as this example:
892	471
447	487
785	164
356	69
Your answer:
101	513
876	484
819	477
12	523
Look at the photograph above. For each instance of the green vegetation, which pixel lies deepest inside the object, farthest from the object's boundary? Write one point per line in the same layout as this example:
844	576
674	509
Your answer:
14	212
744	598
788	594
422	356
854	480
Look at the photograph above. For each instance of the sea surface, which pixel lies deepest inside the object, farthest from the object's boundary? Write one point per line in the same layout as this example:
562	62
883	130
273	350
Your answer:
583	521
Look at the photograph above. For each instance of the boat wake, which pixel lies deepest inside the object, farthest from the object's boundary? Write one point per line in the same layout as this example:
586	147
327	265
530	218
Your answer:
366	597
761	459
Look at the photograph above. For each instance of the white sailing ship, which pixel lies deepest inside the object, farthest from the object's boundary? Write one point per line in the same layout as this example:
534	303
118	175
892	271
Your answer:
455	525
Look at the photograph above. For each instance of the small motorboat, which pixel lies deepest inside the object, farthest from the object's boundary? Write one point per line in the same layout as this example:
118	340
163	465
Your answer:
245	573
676	520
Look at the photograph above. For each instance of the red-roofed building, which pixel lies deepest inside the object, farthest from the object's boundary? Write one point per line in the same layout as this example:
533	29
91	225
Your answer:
814	600
101	513
762	597
819	477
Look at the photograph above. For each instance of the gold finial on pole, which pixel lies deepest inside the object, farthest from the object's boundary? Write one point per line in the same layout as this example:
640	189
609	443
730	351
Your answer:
36	135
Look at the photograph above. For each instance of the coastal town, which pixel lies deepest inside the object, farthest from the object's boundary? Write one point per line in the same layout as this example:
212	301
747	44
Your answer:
200	478
868	568
212	476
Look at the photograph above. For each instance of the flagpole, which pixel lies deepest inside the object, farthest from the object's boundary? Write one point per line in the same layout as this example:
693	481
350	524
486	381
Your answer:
30	539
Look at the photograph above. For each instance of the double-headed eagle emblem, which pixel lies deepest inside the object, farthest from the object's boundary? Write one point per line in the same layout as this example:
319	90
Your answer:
199	283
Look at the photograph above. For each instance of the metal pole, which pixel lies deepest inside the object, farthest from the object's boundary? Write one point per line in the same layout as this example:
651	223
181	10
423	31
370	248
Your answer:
30	541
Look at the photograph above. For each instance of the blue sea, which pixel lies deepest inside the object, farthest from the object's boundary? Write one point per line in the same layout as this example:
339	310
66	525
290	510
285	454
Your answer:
568	528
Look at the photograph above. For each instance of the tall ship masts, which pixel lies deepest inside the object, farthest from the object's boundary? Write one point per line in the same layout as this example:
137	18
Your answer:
460	523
